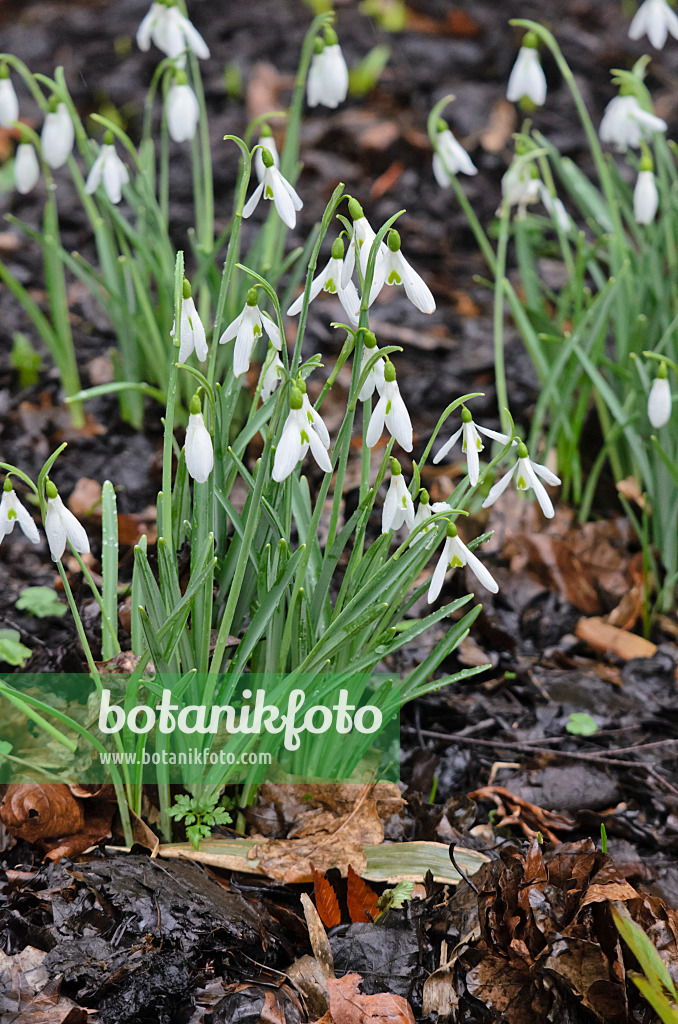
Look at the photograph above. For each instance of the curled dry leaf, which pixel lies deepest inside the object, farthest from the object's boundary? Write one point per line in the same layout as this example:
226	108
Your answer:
349	1006
30	811
361	899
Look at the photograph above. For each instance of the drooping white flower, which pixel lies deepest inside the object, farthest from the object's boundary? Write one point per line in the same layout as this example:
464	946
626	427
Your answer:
12	511
26	168
422	516
397	271
172	32
398	508
109	168
391	411
625	123
375	376
527	78
61	526
528	474
363	237
329	280
274	186
9	104
192	331
247	328
454	555
450	157
645	195
273	374
328	75
183	112
555	208
198	445
659	402
471	444
654	19
58	134
266	141
299	434
520	185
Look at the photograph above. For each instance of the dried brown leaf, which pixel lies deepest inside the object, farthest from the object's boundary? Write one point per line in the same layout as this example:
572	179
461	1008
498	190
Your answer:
361	899
326	900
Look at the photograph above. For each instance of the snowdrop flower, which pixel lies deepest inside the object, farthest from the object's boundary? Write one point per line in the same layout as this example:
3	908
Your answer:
272	376
454	555
9	104
450	157
329	280
625	123
171	31
328	75
528	473
266	141
61	526
645	195
398	509
363	236
391	411
655	19
659	401
297	437
313	417
247	328
527	79
398	271
422	515
108	167
375	377
471	444
192	338
183	112
554	207
58	134
274	186
198	445
26	168
12	511
520	185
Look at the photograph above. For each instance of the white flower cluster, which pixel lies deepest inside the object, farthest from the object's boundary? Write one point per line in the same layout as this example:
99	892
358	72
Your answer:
61	526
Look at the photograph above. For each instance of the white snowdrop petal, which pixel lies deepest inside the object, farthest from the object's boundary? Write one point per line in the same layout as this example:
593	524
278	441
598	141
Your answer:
498	489
272	330
545	473
527	78
26	522
416	289
438	577
194	40
659	403
472	460
645	198
349	263
397	417
289	450
55	530
145	29
319	451
448	446
526	471
94	176
26	168
482	574
232	330
198	448
376	425
9	104
252	203
281	198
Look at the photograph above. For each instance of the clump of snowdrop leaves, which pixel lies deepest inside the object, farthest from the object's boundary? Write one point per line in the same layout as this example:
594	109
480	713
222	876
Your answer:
183	111
9	104
26	168
390	411
527	79
299	434
109	169
454	555
626	124
527	474
58	134
274	186
654	19
247	328
329	280
398	508
171	31
62	526
397	271
327	82
645	194
450	157
12	512
192	334
659	401
198	445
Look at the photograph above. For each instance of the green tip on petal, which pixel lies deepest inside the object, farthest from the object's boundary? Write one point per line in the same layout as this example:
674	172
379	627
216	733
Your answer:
466	415
267	158
424	496
296	399
331	38
662	372
396	468
4	70
186	289
53	103
337	249
442	126
522	450
196	405
451	530
355	209
394	240
180	78
109	138
51	490
530	41
370	339
252	297
7	486
318	45
389	371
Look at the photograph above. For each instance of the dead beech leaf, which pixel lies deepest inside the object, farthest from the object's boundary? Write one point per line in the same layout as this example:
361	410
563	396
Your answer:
320	944
501	127
49	1007
610	640
508	988
30	811
361	899
85	498
349	1006
325	900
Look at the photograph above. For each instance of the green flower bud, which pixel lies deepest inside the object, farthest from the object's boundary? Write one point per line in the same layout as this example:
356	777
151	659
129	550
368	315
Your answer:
522	450
180	78
51	490
4	70
296	399
318	45
530	41
196	405
355	209
252	297
186	289
442	125
266	157
370	340
396	468
109	138
7	486
424	496
389	371
53	103
337	249
330	36
394	240
451	530
662	372
266	132
466	415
